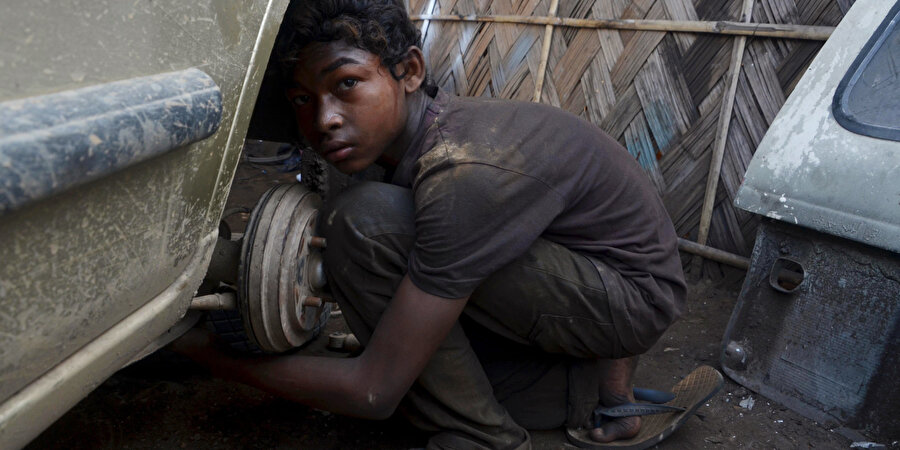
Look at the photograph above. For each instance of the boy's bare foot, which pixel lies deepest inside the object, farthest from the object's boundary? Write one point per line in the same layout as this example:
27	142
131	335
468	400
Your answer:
616	388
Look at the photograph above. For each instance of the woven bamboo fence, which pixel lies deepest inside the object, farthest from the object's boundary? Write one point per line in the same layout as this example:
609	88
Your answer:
689	87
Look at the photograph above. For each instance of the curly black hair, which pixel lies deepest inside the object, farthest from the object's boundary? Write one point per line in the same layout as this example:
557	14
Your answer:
381	27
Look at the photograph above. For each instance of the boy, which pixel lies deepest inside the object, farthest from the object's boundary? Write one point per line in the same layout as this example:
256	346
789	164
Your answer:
508	275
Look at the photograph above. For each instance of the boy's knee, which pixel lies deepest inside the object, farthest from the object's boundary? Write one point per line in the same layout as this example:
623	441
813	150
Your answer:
359	222
368	209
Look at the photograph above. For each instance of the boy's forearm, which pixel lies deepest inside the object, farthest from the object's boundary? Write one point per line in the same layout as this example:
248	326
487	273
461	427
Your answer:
331	384
369	386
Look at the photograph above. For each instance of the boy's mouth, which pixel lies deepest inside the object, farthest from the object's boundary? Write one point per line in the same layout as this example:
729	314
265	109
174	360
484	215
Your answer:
336	151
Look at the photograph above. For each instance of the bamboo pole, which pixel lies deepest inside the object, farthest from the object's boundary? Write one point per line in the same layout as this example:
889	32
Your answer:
545	54
715	163
427	22
714	254
770	30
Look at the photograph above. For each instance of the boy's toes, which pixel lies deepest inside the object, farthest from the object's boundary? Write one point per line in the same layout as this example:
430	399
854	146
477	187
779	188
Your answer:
622	428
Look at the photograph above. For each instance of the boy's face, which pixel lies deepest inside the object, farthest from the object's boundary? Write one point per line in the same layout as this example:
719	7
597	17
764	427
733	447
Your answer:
347	104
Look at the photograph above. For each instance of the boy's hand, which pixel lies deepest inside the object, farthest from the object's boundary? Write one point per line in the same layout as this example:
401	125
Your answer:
370	386
203	347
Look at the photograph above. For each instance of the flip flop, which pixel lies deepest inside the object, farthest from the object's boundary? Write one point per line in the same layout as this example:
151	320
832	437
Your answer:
691	392
650	395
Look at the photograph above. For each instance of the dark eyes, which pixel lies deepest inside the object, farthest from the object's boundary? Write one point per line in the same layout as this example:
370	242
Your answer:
344	85
348	83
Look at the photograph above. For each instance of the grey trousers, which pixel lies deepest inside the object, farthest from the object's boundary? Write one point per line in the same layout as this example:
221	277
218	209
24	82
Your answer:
524	353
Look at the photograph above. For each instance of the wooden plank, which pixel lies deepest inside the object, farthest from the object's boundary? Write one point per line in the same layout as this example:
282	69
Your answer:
684	195
576	103
545	55
611	45
844	5
716	10
714	254
713	101
715	165
805	32
575	61
831	16
416	6
636	10
575	9
795	64
726	221
477	67
681	10
664	95
639	143
811	10
777	11
763	80
558	49
701	135
519	91
704	64
627	106
737	157
432	4
597	90
636	52
748	113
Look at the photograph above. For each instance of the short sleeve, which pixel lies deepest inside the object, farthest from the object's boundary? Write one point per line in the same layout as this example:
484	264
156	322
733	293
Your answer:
471	220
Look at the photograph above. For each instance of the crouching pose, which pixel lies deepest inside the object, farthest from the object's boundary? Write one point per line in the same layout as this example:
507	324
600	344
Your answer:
503	278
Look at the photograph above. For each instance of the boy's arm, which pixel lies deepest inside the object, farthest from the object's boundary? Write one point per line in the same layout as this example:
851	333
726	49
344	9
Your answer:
412	327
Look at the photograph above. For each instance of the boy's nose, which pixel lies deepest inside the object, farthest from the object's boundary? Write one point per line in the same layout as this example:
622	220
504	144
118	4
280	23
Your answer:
329	118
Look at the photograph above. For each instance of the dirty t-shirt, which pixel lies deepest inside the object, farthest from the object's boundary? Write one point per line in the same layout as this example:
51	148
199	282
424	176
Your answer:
489	177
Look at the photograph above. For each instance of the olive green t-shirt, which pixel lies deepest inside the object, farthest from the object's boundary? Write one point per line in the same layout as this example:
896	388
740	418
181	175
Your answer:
491	176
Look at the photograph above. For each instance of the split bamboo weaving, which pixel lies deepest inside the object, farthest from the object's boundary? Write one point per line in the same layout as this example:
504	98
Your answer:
658	93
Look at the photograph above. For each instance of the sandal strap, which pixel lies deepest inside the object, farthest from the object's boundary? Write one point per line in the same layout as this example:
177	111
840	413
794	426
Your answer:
652	395
632	409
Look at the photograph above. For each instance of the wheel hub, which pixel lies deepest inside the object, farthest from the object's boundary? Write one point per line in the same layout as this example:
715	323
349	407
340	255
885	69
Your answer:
281	277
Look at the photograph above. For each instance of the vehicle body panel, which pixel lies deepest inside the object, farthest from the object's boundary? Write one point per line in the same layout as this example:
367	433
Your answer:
117	259
811	171
817	322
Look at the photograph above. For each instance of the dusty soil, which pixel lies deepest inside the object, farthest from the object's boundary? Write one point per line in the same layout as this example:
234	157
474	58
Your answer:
166	402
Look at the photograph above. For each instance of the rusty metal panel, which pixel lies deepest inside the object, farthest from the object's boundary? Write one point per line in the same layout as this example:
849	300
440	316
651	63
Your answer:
817	328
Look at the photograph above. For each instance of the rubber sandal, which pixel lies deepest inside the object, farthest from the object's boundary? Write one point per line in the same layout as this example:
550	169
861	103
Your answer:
691	392
651	395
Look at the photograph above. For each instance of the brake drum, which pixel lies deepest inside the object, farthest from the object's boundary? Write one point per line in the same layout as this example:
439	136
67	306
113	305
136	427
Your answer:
281	279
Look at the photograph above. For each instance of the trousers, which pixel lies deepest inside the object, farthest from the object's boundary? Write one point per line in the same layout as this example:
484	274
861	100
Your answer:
524	353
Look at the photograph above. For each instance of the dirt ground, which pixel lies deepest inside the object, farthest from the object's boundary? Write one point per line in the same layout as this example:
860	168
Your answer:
166	402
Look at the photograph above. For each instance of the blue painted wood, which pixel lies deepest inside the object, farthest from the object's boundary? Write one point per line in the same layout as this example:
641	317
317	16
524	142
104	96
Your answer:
661	123
640	145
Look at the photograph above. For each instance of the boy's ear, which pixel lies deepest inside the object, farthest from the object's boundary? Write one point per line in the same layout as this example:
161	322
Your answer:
415	69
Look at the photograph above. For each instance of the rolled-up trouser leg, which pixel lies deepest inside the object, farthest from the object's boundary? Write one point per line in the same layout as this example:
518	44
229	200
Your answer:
370	231
553	301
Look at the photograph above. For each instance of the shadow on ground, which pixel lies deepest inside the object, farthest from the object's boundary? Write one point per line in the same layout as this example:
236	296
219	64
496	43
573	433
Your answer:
164	402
